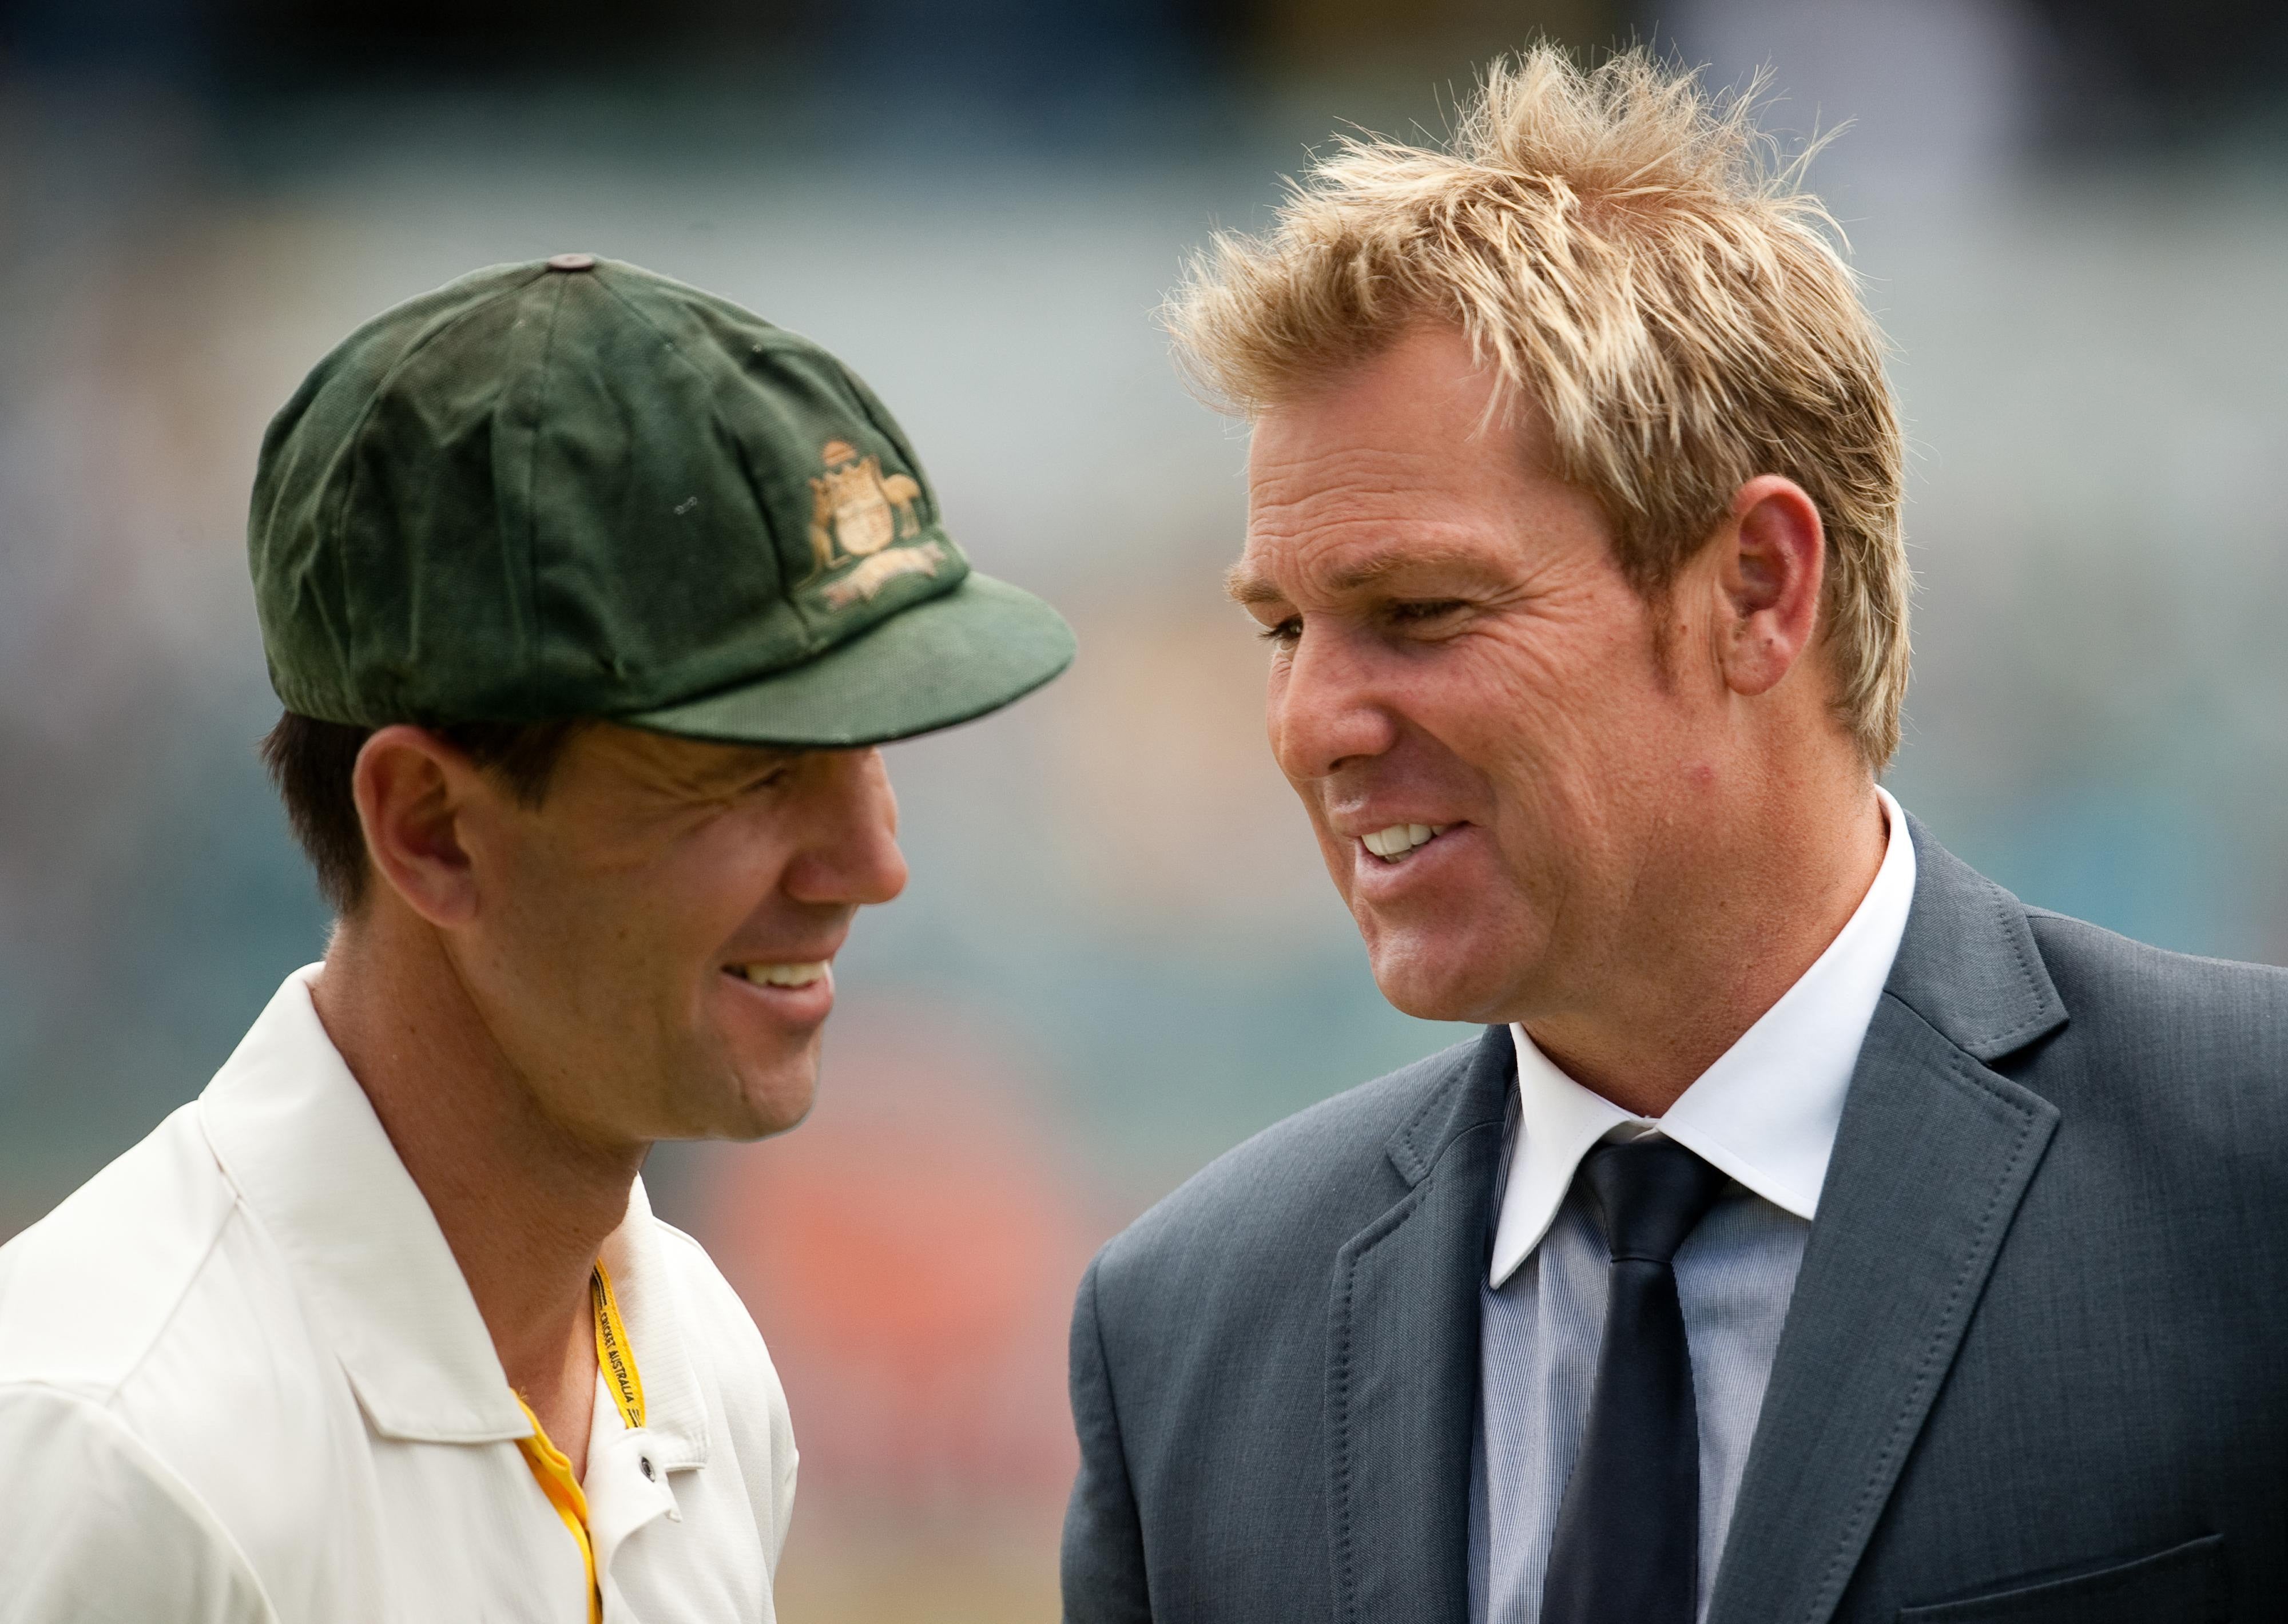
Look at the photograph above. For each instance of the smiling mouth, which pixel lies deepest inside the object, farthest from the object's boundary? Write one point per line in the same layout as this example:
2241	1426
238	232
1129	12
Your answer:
1400	842
779	975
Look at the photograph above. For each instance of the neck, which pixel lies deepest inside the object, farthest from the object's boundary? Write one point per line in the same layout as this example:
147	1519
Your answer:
1749	910
524	1203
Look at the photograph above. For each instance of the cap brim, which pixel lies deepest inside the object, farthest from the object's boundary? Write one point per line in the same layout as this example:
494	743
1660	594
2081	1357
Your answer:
945	661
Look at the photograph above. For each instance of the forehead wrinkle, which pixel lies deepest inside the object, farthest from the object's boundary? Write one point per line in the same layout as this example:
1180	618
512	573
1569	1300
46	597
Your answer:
1378	494
1340	472
1340	518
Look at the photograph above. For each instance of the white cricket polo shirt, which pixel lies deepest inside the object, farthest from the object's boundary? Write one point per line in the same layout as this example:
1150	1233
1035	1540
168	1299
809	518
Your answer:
242	1379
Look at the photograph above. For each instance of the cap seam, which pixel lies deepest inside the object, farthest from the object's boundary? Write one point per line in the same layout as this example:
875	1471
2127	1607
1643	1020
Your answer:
636	311
815	638
528	627
864	396
788	590
332	539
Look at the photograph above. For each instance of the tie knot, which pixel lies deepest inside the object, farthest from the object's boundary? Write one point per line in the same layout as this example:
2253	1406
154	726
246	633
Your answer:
1650	1193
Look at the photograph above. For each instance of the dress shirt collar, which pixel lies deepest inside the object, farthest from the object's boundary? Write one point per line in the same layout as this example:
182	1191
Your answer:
299	1142
1765	1113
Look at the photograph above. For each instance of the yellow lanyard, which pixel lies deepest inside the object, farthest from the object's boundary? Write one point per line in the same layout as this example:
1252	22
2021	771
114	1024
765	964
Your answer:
550	1468
614	1357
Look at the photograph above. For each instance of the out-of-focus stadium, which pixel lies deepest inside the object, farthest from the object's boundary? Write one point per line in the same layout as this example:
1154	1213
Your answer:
1119	955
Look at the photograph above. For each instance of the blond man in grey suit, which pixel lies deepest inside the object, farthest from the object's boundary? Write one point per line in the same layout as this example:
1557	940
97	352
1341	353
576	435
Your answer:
1817	1233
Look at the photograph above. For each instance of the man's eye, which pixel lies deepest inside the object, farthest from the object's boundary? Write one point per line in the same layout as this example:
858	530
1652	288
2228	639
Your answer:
1286	631
1417	614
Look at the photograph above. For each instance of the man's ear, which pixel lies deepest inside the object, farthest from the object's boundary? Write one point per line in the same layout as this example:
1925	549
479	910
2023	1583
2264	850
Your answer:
412	791
1773	560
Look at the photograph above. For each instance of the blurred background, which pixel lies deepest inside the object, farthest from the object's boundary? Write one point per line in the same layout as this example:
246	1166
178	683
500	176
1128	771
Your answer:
1119	955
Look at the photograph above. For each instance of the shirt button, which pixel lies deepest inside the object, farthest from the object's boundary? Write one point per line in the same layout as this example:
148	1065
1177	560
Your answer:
644	1462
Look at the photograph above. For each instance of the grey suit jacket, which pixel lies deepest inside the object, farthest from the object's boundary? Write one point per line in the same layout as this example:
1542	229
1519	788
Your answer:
2036	1367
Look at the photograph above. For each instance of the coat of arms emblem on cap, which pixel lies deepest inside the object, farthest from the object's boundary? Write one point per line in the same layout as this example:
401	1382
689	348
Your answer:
856	509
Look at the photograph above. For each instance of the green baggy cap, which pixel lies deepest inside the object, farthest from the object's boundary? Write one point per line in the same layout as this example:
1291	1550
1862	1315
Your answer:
577	488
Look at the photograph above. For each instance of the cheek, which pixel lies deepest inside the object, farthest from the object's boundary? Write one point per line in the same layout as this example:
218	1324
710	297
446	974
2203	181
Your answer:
554	905
630	931
1275	692
1517	708
699	895
1558	726
595	937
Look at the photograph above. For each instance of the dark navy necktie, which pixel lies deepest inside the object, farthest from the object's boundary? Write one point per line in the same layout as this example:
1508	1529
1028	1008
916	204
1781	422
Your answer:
1627	1545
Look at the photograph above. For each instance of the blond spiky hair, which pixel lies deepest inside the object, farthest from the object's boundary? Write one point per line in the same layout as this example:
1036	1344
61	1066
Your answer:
1623	248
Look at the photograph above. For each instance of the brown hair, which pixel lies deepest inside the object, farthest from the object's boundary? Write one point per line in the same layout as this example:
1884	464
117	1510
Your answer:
1620	246
311	762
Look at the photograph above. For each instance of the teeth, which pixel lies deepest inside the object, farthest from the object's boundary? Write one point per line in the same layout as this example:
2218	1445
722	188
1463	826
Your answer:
780	974
1396	843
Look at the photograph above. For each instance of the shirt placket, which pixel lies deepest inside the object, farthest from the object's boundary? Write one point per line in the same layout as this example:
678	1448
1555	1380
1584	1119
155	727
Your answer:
628	1488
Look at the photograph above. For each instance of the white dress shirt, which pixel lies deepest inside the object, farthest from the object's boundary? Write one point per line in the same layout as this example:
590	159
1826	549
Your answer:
243	1381
1765	1113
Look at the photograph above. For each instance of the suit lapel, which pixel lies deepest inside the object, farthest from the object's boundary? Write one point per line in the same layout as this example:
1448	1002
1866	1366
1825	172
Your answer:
1934	1153
1402	1360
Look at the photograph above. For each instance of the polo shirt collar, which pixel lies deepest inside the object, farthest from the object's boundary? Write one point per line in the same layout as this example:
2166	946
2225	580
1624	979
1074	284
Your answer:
298	1141
1765	1112
675	1412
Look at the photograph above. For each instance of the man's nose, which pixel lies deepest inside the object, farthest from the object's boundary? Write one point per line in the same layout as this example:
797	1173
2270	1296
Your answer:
1325	705
853	855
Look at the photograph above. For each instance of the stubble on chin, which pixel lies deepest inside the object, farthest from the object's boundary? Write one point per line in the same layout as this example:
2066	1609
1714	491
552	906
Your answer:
1410	978
783	1099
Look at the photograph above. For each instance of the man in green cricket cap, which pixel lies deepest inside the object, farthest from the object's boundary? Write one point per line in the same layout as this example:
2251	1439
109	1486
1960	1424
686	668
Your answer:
588	595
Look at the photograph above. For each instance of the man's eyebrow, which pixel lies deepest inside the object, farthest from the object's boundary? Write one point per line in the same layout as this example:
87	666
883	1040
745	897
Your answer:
1247	588
732	771
761	758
